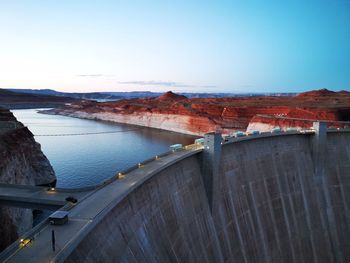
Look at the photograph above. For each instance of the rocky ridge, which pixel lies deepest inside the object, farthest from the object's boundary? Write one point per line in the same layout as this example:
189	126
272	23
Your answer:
17	100
21	162
201	115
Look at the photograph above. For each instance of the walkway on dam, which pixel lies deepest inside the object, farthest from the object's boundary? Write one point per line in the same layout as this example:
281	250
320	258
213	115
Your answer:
85	214
37	197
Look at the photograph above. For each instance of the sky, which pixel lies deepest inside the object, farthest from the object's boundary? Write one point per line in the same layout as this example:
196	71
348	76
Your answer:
188	46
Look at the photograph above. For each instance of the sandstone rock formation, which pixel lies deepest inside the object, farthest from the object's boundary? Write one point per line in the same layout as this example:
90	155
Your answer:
201	115
21	162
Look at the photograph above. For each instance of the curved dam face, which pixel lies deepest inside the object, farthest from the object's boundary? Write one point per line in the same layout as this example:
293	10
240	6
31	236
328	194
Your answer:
269	199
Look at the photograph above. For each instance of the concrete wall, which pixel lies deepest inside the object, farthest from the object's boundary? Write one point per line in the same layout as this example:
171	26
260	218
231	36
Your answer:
272	208
166	220
267	206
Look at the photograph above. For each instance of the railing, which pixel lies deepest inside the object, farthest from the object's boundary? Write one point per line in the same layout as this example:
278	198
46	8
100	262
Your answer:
123	173
333	126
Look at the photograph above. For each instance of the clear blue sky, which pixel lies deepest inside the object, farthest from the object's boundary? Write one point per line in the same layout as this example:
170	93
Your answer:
200	46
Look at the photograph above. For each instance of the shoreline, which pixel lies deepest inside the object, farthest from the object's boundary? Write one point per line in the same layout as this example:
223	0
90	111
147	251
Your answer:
166	121
28	106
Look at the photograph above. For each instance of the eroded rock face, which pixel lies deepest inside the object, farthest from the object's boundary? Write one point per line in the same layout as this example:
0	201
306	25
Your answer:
201	115
21	162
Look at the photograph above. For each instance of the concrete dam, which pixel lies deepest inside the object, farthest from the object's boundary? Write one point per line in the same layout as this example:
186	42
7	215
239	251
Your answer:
280	197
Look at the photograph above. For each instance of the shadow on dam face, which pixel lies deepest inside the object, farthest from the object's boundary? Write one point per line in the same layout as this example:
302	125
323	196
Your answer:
268	202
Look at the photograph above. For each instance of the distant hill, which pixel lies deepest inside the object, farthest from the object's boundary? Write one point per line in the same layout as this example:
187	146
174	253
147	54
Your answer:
149	94
318	93
16	100
117	95
171	96
76	95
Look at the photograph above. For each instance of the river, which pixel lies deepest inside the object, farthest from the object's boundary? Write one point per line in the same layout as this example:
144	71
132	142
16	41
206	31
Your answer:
86	152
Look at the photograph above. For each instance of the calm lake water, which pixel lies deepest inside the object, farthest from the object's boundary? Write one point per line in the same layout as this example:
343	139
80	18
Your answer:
84	160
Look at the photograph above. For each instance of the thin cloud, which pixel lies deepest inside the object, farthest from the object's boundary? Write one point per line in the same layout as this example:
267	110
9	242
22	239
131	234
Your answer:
162	83
90	75
247	86
208	86
154	83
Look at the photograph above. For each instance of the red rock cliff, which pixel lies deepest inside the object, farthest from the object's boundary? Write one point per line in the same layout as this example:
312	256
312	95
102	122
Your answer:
201	115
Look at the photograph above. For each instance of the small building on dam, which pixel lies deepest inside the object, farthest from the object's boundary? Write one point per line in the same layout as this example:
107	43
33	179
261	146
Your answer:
281	197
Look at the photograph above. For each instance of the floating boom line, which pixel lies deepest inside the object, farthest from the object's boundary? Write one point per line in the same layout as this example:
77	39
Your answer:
86	133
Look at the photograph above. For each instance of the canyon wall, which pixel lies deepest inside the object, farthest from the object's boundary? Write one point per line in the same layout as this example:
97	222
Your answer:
265	123
268	205
198	116
21	162
170	122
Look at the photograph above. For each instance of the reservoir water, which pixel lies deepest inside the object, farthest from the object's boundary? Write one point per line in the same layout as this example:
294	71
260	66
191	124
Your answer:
86	152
